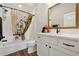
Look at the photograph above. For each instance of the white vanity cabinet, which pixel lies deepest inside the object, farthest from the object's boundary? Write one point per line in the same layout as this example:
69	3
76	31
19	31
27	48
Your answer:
48	46
42	46
51	45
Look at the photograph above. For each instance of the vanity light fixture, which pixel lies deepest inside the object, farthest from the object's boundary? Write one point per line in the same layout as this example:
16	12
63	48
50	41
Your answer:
20	6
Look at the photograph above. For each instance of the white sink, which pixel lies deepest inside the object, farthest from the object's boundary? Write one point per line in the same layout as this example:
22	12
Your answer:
50	34
62	35
70	35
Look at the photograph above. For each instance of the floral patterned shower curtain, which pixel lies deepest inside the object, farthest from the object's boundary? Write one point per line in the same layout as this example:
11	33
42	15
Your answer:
20	22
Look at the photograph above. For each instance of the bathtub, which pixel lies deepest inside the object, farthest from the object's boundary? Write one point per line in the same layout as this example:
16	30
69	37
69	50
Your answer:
13	46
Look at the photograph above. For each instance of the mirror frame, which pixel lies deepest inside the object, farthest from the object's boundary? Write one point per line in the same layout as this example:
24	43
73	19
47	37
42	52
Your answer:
77	17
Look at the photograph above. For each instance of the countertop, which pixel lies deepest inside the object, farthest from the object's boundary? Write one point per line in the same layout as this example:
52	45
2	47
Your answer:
62	35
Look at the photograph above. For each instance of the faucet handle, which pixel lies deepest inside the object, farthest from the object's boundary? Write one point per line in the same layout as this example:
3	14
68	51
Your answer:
55	26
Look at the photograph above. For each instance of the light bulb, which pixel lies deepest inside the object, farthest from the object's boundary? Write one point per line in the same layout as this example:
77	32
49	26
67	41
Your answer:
20	6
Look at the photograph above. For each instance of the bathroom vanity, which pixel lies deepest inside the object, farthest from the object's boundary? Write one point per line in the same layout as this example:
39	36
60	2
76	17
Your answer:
49	44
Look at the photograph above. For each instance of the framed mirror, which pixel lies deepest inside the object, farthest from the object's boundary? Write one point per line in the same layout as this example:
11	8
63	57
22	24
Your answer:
64	14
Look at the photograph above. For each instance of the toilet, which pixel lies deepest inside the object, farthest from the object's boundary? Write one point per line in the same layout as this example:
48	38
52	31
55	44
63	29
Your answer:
31	46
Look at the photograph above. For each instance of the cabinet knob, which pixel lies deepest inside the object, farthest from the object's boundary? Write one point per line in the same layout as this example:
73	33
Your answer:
46	45
38	37
49	46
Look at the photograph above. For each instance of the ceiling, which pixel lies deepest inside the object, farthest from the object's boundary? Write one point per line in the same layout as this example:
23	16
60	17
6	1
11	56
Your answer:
28	7
50	4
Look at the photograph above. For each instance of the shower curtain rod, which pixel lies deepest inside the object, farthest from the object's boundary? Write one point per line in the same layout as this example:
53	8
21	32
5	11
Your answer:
16	9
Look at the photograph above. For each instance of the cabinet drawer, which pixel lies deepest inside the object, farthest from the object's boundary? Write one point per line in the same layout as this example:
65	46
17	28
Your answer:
54	41
51	40
70	45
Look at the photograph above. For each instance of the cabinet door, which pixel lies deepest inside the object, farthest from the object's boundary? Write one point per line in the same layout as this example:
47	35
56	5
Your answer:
42	47
55	51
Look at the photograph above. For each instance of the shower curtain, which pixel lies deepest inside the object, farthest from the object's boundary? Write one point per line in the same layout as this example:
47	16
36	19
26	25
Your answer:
14	17
20	18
